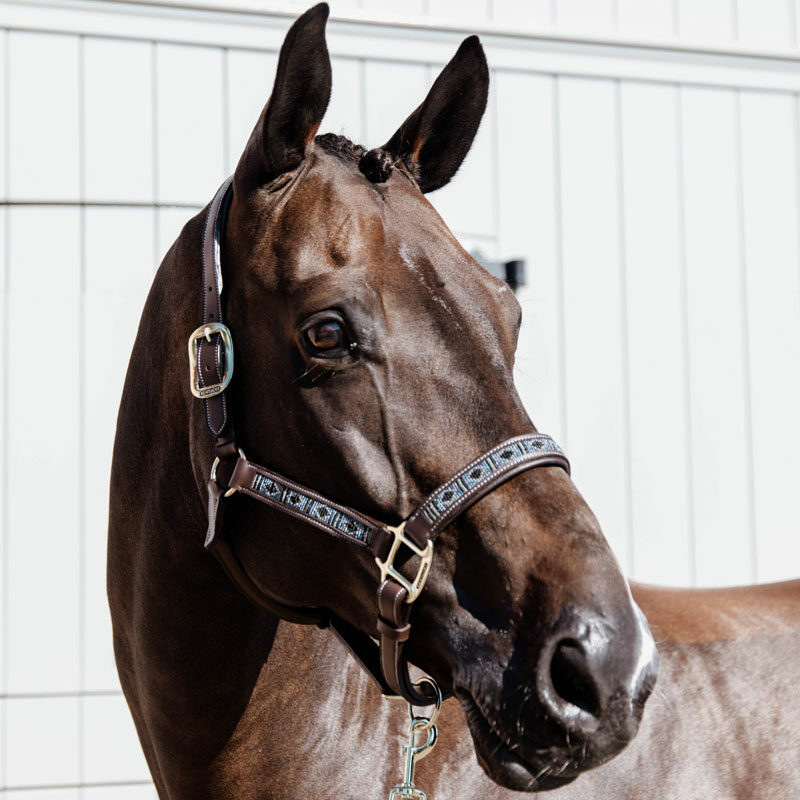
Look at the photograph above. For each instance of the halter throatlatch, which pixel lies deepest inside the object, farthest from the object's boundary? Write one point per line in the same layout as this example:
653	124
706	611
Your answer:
211	370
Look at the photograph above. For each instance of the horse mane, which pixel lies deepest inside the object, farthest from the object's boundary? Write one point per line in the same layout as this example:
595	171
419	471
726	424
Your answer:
341	146
376	164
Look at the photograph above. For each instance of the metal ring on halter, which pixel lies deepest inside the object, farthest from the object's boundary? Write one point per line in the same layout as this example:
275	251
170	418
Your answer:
213	475
437	704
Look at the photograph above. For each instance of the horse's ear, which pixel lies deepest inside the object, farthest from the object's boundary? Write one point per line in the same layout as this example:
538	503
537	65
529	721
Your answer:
434	140
296	106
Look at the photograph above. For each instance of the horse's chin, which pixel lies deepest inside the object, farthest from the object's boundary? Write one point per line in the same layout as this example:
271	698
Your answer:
505	765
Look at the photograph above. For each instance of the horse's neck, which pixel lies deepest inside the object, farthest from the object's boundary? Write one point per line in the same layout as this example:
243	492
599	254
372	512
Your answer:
189	648
315	724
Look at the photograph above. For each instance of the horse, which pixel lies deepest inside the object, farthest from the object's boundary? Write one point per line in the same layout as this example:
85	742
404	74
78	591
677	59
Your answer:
374	361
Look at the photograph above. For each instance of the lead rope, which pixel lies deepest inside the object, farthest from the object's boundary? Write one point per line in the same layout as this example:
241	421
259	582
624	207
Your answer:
413	752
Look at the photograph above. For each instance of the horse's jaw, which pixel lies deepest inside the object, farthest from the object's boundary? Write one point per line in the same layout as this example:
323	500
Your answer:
501	761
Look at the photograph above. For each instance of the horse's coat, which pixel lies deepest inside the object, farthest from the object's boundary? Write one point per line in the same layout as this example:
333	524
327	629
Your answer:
525	616
722	724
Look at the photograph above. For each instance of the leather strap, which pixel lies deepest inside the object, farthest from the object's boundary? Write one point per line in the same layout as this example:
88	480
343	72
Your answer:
394	630
480	477
211	354
303	503
385	661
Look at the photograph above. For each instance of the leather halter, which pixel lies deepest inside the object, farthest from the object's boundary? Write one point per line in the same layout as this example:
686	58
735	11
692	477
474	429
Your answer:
211	359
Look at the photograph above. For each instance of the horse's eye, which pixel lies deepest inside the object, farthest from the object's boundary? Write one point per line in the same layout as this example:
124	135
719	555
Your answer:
326	337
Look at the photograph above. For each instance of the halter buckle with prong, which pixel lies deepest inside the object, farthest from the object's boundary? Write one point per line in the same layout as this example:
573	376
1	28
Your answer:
206	332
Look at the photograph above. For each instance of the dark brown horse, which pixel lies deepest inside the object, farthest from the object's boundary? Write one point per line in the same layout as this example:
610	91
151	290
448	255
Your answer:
373	360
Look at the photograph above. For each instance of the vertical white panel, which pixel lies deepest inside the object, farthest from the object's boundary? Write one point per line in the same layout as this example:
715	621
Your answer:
43	116
170	224
769	179
147	792
117	281
394	11
338	7
585	15
659	447
111	749
4	84
475	11
528	229
43	441
527	13
250	78
468	203
43	794
118	122
765	23
647	17
4	611
593	310
191	161
2	742
794	12
42	741
707	21
393	91
345	109
719	429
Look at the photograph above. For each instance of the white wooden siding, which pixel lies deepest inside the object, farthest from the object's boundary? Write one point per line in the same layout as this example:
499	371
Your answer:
641	155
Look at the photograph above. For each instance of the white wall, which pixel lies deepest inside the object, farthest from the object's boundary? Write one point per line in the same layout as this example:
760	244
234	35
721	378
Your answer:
641	155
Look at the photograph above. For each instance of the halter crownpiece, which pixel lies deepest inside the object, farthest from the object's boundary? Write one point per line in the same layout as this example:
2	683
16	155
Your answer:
211	370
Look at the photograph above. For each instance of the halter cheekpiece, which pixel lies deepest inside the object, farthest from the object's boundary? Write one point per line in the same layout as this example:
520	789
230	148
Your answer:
211	370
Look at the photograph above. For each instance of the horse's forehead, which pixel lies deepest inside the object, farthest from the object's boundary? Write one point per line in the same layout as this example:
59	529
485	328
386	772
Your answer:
337	214
341	232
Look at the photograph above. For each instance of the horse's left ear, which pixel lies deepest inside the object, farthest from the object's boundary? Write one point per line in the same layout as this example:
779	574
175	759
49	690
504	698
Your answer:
296	106
435	139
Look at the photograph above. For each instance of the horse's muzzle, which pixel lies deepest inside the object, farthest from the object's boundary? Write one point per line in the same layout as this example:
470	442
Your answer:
580	707
586	681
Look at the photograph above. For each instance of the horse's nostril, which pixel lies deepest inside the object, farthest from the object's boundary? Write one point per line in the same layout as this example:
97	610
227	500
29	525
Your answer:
572	678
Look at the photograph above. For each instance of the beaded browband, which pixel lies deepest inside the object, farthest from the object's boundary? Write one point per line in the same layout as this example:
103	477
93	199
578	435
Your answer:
211	369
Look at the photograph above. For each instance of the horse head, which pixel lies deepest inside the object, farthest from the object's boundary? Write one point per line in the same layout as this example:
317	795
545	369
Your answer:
374	360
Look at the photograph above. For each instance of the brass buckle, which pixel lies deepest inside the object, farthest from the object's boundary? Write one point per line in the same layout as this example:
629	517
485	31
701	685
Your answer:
206	332
387	567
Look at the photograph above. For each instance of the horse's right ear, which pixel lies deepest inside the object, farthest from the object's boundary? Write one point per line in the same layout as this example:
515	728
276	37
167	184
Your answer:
435	139
296	106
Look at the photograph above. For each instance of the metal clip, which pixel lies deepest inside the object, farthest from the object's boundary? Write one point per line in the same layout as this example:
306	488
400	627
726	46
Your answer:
213	475
414	753
436	705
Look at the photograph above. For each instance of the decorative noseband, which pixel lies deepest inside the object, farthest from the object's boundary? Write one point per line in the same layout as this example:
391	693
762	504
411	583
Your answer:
211	368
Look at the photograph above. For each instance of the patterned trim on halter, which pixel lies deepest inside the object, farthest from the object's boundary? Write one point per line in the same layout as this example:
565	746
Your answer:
496	460
315	511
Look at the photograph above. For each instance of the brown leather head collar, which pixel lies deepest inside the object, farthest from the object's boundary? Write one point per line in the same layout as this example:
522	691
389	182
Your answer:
211	361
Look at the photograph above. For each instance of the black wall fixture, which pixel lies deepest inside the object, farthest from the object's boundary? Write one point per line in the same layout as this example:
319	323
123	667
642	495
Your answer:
512	272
